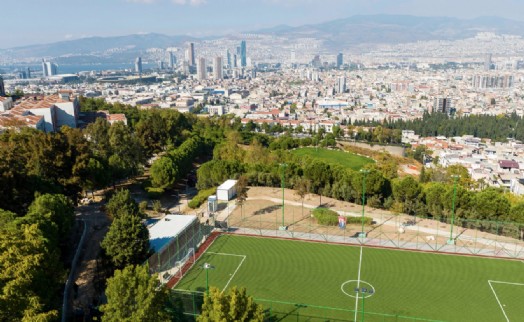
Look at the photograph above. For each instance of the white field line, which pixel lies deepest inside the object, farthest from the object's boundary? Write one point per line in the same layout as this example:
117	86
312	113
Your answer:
225	254
502	282
498	301
358	283
234	273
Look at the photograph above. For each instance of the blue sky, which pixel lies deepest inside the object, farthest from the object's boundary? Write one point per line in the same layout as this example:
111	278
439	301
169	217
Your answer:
28	22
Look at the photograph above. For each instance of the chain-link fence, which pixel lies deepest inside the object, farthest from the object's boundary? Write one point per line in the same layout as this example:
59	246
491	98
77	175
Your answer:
179	247
187	306
465	236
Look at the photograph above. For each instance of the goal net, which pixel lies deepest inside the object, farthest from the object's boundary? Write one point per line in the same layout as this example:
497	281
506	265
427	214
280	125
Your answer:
188	259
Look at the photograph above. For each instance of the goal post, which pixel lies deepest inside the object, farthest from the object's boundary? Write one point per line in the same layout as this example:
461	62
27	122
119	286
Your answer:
189	258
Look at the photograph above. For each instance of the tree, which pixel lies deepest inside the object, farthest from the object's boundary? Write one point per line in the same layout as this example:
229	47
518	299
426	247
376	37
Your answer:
121	202
28	275
163	173
134	295
241	192
302	186
56	209
407	192
127	241
234	306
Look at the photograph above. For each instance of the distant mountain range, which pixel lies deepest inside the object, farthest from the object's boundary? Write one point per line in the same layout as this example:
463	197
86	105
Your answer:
336	34
373	29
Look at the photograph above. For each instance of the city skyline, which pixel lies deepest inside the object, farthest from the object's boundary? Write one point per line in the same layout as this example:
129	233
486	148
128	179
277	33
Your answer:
79	19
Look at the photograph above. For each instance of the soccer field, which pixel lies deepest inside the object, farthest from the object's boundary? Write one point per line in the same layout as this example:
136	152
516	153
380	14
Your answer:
396	284
346	159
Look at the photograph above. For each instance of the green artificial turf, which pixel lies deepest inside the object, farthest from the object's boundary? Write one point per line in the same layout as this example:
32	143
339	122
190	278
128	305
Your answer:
345	159
406	284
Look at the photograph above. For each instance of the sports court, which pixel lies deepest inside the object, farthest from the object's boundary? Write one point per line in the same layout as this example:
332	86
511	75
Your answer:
310	281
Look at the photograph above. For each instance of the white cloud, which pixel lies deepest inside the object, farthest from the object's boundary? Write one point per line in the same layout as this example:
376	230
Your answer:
189	2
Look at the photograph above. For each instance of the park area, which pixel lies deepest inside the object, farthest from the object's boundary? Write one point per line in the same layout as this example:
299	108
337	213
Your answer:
310	281
345	159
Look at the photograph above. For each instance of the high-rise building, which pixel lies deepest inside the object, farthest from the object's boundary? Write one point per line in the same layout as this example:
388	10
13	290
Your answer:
487	62
243	54
492	81
2	87
217	68
443	105
316	62
201	68
28	72
172	60
50	68
235	65
138	65
191	54
44	68
341	84
340	60
228	55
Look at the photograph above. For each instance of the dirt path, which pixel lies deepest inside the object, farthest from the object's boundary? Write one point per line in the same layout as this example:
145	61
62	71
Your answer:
86	284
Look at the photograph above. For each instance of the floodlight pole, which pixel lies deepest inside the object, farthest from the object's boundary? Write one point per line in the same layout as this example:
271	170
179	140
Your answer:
455	178
283	180
207	267
365	173
207	282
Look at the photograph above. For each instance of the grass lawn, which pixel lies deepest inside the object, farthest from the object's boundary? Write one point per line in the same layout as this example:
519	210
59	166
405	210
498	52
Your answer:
345	159
399	284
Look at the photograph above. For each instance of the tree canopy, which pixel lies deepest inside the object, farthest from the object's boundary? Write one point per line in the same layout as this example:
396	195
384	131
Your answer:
134	295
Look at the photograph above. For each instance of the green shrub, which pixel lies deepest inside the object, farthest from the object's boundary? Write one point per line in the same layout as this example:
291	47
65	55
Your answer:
329	217
201	197
358	220
154	193
326	216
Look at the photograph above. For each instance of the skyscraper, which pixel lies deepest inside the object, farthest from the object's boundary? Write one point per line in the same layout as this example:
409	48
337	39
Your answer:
228	55
487	62
235	65
217	68
201	68
172	60
243	54
49	68
28	72
44	68
2	87
341	84
191	54
138	65
340	60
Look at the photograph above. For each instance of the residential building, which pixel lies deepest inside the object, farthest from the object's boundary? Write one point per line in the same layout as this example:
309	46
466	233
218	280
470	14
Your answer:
217	68
201	68
443	105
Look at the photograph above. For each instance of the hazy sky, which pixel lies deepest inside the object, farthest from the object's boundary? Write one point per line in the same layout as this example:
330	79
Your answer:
26	22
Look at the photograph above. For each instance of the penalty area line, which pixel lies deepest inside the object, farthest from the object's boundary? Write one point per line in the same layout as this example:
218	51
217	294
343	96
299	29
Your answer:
498	301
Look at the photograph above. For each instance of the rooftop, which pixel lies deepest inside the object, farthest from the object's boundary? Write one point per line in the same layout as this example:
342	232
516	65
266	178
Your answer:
168	228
